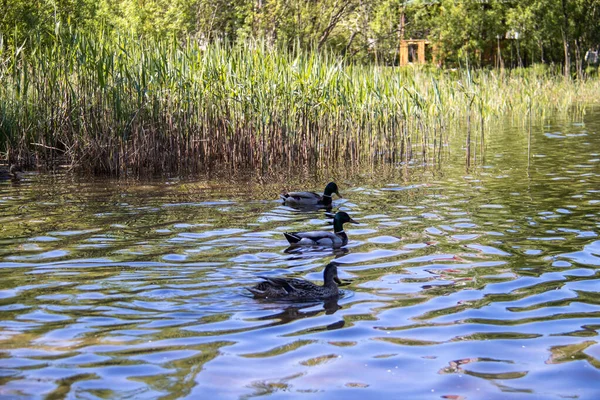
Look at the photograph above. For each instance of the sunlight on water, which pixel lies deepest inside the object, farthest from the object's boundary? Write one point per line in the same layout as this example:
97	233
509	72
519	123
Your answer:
458	284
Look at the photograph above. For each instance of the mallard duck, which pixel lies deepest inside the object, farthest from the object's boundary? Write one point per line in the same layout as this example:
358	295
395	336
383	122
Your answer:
298	289
311	198
13	173
335	239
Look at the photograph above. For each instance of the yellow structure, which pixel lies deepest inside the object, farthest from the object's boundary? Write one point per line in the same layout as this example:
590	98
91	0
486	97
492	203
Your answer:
405	46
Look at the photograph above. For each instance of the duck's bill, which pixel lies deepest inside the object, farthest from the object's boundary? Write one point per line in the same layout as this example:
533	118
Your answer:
353	221
339	195
337	280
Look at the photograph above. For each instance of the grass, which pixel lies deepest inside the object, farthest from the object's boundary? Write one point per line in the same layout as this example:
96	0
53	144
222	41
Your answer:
114	104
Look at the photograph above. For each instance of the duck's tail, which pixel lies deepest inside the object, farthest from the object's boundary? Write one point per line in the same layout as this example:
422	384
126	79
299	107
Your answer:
291	237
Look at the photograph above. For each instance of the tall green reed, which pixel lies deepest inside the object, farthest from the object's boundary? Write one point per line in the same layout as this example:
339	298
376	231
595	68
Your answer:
112	103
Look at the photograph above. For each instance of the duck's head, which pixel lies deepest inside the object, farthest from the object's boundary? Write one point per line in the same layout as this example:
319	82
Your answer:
330	274
342	217
330	189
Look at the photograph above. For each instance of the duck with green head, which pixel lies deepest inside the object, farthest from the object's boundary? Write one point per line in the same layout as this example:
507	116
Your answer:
298	289
311	198
335	239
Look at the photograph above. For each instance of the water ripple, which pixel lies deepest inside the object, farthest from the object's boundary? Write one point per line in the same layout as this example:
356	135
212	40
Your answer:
457	285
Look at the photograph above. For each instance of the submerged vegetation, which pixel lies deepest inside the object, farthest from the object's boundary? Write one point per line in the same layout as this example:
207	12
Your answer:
120	104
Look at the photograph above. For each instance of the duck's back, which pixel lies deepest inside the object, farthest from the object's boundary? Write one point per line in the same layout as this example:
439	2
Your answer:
308	198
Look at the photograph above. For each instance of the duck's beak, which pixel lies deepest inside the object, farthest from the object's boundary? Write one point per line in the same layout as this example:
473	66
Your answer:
339	195
353	221
337	280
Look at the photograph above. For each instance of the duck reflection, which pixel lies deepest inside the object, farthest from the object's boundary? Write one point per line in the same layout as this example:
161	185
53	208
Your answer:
294	312
309	207
300	253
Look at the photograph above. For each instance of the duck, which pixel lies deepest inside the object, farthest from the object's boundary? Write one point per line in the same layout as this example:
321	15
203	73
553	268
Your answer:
298	289
13	173
311	198
335	239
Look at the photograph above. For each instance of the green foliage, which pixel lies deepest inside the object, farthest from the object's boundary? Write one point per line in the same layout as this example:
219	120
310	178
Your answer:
149	17
592	71
21	18
464	31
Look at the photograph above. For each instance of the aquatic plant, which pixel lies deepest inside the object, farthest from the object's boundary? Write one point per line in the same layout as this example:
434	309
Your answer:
118	104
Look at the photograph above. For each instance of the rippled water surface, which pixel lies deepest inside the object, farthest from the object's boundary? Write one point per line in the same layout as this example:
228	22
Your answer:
478	283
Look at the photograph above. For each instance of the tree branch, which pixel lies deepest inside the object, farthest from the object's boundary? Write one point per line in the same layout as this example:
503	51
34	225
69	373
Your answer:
333	21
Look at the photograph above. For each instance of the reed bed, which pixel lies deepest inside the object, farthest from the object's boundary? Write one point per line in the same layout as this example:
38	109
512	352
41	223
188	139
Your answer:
115	104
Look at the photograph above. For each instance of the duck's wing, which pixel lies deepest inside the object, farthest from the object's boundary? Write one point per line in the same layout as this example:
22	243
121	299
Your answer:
322	238
267	288
280	283
296	288
302	285
301	197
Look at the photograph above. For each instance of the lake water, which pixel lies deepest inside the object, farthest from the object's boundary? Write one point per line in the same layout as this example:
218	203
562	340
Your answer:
479	283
